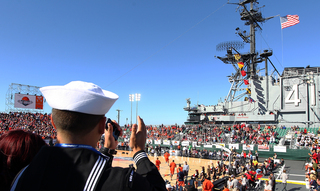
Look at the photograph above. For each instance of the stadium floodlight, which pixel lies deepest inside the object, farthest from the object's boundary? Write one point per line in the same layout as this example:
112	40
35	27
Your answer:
137	100
131	99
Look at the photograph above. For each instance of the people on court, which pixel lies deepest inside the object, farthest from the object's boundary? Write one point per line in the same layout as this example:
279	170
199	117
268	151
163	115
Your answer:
172	167
158	164
166	157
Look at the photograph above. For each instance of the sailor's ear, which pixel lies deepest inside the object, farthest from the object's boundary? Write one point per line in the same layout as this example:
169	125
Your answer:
52	122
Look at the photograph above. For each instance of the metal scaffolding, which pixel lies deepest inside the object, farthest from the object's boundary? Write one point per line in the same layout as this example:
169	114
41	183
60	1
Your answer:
21	89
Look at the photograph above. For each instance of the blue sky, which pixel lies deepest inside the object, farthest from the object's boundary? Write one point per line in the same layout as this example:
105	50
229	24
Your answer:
162	49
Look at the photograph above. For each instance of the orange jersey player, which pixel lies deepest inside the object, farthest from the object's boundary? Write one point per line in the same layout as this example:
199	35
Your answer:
158	164
172	167
179	168
166	157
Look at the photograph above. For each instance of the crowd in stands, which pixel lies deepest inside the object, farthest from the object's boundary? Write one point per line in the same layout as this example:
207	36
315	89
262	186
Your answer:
37	123
306	139
245	134
313	168
163	132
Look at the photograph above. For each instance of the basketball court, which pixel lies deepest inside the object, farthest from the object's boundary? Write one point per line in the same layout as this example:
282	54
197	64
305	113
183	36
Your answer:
124	159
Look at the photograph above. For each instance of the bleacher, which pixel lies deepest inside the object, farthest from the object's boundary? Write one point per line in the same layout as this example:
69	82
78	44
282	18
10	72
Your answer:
282	132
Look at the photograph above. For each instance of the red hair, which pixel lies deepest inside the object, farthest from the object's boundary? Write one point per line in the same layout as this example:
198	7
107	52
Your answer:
18	148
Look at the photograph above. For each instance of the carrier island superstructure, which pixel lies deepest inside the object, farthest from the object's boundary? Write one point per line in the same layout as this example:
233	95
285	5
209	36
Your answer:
290	98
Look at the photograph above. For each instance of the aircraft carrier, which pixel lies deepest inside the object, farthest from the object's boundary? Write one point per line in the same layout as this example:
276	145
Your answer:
257	96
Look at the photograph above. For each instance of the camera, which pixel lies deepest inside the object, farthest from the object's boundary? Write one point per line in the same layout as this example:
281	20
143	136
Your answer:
116	132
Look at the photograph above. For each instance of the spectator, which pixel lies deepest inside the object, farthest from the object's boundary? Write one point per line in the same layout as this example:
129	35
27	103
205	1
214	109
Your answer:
234	183
196	179
229	183
318	185
244	183
225	188
186	169
207	184
267	186
284	178
168	187
273	180
190	187
18	148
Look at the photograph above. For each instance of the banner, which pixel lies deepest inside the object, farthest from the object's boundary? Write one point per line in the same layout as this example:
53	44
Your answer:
281	149
157	141
219	145
175	153
207	146
175	142
28	101
263	148
39	102
149	141
24	101
166	142
235	146
195	144
185	143
247	147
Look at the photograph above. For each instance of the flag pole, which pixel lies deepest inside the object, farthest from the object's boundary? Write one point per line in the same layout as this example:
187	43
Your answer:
282	43
281	40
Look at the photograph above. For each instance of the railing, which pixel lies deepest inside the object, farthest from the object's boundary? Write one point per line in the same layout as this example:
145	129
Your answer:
297	71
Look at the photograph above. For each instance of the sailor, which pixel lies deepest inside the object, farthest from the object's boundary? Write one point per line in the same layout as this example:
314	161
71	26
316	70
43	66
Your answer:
78	115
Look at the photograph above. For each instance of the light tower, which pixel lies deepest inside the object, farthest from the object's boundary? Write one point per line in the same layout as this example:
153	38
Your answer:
137	100
131	99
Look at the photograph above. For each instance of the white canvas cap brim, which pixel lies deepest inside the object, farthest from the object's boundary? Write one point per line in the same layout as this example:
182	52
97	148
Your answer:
80	97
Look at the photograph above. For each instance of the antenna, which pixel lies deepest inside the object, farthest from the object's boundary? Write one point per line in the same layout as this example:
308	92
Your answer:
188	102
229	45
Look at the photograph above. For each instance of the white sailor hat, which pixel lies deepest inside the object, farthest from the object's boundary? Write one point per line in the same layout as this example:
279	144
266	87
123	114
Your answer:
79	96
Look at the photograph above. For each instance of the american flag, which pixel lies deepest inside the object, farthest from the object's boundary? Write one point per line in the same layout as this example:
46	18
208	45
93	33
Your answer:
289	20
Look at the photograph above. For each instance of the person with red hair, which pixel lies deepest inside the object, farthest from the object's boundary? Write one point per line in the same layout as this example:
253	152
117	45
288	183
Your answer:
18	148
